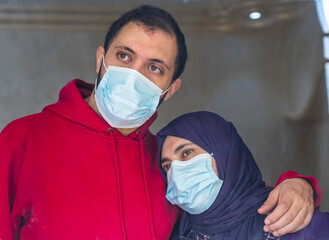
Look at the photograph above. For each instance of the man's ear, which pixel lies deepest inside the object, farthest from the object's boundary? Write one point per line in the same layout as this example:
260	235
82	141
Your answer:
174	87
99	58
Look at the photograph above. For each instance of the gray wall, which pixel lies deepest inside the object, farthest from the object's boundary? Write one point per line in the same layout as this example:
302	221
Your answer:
266	76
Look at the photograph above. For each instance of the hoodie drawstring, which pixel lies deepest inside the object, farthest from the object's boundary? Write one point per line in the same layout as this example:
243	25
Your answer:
147	192
117	173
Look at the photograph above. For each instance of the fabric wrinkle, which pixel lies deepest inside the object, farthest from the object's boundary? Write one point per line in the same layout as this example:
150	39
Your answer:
146	189
117	173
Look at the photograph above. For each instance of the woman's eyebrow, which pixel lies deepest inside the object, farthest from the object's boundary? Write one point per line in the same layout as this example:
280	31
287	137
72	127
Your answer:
180	147
163	160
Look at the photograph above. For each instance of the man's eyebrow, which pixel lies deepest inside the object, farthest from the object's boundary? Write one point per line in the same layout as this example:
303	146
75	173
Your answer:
160	61
126	48
180	147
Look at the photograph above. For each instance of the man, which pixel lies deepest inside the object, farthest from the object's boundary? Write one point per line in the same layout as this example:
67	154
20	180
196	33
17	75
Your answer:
85	167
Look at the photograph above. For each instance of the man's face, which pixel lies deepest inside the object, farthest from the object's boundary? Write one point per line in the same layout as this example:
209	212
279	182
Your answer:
152	53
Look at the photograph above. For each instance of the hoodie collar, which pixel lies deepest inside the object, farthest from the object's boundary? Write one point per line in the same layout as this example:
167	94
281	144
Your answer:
73	106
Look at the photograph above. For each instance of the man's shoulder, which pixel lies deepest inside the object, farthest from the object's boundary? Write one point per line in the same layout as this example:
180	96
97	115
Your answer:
23	125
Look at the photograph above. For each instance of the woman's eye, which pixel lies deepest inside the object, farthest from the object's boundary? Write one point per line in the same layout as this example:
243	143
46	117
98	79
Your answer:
166	167
187	152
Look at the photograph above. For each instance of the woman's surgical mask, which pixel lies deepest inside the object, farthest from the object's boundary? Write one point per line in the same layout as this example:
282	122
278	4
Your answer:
193	185
125	98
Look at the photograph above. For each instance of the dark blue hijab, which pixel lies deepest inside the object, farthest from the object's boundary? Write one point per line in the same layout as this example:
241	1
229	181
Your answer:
233	215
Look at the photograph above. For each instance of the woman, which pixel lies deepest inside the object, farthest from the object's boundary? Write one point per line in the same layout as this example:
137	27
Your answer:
217	182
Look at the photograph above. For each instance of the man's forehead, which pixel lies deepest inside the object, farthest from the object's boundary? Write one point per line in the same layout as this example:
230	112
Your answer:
150	30
157	46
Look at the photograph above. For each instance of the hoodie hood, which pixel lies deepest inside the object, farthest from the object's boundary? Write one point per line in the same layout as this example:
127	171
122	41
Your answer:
72	105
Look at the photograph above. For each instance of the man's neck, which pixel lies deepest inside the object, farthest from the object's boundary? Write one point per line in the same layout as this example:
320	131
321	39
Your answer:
92	103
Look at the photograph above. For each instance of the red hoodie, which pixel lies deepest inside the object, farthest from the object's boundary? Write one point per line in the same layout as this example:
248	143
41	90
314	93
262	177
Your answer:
71	176
66	174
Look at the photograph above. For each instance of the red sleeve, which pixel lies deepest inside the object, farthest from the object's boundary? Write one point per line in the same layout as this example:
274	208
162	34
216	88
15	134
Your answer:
310	179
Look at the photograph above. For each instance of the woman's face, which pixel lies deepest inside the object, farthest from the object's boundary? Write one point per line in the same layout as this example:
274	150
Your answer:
175	148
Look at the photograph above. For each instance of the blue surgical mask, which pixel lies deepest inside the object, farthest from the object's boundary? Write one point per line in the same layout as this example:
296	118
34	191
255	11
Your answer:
125	98
193	185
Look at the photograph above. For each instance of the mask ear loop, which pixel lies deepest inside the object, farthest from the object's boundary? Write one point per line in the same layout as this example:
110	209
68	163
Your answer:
99	74
104	63
164	93
166	90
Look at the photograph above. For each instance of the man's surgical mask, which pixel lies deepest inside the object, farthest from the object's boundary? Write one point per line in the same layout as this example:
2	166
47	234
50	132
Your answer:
125	98
193	185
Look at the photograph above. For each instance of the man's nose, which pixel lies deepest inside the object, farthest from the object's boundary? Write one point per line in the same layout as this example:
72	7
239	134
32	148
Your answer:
139	67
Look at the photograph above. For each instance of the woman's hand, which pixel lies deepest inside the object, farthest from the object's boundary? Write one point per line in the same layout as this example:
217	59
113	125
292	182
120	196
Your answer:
292	204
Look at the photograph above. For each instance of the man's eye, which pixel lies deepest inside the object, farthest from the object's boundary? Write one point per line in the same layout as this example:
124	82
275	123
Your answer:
155	69
123	56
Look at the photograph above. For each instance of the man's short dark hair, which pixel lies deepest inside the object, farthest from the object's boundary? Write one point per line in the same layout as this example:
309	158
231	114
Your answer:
153	18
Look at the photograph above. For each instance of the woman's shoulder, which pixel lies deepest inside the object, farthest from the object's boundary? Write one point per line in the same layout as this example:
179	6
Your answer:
318	229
